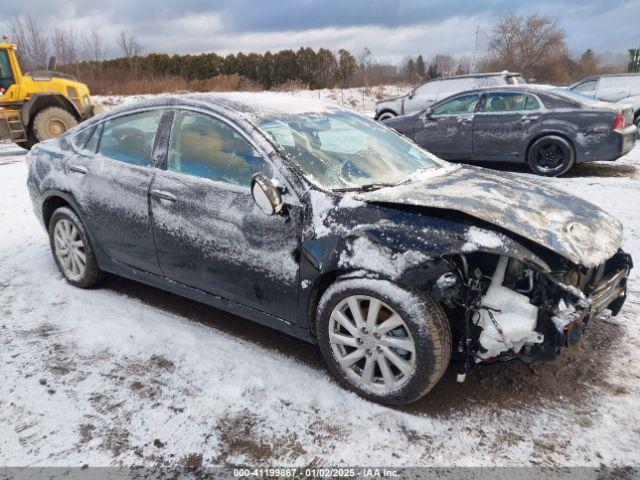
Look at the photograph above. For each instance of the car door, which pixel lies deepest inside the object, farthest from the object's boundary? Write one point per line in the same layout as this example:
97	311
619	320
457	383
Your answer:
110	179
447	128
503	123
209	233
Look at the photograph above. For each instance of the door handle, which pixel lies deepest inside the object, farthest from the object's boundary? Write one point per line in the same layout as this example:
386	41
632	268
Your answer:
78	169
529	119
161	195
464	121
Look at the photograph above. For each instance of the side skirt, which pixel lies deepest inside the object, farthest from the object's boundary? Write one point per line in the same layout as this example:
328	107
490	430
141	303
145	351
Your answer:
212	300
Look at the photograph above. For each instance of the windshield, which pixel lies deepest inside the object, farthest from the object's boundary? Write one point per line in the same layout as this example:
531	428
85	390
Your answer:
342	150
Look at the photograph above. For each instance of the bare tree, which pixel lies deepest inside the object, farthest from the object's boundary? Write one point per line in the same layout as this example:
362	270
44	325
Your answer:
65	46
130	48
444	65
524	43
464	65
28	34
93	45
129	45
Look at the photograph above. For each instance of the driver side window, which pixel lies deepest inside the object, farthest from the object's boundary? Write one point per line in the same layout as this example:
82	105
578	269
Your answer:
462	105
203	146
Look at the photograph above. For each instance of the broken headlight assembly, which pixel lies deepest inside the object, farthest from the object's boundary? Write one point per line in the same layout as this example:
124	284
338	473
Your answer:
509	309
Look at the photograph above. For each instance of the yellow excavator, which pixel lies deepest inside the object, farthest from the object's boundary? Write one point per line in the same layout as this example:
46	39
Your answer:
36	106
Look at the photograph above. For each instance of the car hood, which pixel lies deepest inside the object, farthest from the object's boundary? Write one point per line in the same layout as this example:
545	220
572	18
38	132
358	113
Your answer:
391	99
567	225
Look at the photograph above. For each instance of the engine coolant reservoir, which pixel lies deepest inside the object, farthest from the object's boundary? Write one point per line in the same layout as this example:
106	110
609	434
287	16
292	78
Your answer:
512	312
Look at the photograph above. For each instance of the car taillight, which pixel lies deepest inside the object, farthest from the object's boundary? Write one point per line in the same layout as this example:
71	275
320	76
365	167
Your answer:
619	124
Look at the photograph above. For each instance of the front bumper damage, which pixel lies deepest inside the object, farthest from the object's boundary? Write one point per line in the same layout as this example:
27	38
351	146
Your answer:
520	312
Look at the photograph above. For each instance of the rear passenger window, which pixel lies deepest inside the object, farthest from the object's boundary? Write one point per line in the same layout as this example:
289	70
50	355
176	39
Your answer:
509	102
130	138
92	143
206	147
532	103
81	139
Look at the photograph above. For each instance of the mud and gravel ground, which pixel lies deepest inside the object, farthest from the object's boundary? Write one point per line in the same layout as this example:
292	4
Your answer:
129	375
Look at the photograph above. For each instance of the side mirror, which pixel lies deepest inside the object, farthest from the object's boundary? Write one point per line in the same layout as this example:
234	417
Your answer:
427	113
266	195
411	93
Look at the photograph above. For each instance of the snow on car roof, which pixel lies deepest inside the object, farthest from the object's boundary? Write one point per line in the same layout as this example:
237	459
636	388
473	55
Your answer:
247	105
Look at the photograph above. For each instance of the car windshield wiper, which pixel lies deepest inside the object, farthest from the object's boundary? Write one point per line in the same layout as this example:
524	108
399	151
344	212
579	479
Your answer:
367	187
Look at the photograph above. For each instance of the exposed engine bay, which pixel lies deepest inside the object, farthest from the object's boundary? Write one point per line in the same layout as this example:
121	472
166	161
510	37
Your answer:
503	308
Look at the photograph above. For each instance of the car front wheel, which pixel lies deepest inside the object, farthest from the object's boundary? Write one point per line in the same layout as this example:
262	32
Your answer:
72	250
387	343
386	116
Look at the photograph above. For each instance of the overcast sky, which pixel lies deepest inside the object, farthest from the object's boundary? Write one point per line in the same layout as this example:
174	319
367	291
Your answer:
391	29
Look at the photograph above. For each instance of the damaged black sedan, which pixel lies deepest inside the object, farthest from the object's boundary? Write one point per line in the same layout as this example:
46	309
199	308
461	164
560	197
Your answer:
330	227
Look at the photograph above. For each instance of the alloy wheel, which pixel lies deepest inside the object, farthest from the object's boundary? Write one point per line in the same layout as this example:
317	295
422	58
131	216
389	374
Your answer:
372	343
69	249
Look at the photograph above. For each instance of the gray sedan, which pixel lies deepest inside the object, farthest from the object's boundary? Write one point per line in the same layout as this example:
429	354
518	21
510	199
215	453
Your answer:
551	129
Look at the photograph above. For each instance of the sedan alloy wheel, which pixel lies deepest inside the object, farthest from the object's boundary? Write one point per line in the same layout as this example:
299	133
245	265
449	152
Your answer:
70	249
372	343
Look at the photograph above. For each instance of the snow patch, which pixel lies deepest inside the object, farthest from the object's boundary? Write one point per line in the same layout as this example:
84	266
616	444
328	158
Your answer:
363	253
478	238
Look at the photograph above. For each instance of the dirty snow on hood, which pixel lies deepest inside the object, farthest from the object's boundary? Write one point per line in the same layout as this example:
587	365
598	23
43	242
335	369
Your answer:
570	226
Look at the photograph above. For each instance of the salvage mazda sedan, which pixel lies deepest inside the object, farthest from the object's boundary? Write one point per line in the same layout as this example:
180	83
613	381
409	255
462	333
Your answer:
332	228
551	129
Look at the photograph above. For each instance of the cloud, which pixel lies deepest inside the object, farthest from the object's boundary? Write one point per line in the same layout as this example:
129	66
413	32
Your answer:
392	30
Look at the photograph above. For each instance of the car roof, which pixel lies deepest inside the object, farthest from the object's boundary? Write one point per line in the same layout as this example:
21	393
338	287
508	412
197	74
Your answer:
604	75
475	75
246	105
525	87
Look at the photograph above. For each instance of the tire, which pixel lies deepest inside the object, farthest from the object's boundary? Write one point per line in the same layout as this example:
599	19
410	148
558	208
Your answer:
51	122
60	237
26	145
386	116
551	156
638	120
424	326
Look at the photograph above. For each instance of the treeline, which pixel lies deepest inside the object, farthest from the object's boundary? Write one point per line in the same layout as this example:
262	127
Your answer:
532	45
306	66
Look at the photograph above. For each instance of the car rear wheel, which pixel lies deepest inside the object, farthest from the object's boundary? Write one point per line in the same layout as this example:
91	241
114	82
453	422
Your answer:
551	156
386	116
52	122
387	343
72	250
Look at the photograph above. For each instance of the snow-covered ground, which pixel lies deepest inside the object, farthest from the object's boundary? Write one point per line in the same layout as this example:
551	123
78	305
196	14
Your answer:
128	375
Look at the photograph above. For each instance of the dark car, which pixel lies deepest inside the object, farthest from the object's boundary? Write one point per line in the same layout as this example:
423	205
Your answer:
328	226
617	88
551	129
